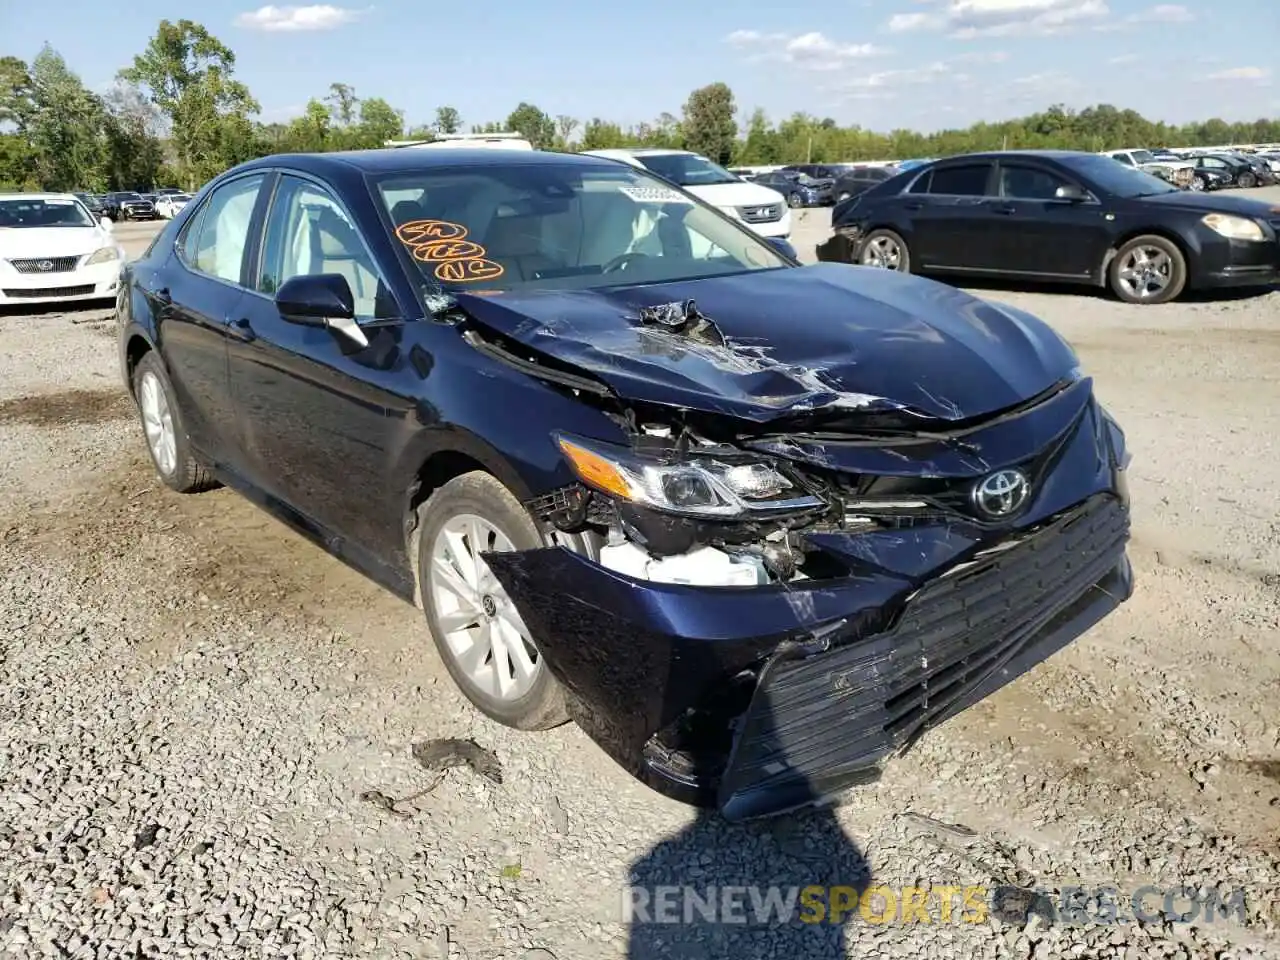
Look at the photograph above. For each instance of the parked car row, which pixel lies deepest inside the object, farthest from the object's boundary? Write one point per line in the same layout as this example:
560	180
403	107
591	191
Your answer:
131	205
1058	216
1203	170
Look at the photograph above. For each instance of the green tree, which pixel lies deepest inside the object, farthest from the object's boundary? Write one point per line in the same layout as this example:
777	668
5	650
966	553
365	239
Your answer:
532	124
448	120
16	104
565	127
379	122
709	125
600	134
135	155
342	102
187	74
65	129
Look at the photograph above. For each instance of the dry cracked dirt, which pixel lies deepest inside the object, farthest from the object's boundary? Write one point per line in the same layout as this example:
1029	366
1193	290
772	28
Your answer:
204	720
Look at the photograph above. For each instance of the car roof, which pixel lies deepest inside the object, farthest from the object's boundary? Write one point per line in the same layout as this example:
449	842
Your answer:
1029	154
397	160
18	194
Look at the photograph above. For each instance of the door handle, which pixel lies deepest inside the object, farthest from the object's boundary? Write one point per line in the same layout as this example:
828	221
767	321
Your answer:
913	206
1006	209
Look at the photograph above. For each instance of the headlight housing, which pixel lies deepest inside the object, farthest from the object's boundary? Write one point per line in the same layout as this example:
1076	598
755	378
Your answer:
104	255
695	487
1234	228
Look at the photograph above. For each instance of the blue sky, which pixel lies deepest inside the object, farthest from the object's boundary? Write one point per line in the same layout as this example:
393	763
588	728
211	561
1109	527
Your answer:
882	64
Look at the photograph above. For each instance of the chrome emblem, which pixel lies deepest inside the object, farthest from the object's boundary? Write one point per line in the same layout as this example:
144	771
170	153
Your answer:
1001	494
44	266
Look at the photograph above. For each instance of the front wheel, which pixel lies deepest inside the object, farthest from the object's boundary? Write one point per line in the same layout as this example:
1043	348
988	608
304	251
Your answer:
483	640
1199	184
795	200
885	250
1247	180
1148	269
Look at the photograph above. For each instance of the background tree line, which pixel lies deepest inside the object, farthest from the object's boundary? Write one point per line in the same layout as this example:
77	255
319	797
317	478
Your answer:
176	115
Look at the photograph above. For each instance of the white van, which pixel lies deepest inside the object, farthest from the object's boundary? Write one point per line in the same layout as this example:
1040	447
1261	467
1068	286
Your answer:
763	210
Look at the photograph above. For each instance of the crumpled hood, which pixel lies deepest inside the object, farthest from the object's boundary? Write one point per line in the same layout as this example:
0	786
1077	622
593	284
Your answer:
827	336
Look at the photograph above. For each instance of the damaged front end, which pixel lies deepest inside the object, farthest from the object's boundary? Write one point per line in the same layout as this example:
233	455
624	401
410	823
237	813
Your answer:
753	614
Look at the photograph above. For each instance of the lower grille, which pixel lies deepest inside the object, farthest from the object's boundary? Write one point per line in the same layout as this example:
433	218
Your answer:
41	292
761	214
45	264
832	717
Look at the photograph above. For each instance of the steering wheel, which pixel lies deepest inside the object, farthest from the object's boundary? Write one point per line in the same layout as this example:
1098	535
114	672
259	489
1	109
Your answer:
621	260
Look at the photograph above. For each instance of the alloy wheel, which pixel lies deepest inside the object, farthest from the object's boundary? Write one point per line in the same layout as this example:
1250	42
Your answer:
882	252
157	423
1145	272
482	629
1197	184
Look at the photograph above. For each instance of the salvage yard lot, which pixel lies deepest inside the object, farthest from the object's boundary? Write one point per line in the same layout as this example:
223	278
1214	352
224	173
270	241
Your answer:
193	701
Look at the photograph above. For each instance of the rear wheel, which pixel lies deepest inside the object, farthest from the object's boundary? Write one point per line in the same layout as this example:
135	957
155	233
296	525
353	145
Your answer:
1247	179
886	250
483	640
1199	183
1148	269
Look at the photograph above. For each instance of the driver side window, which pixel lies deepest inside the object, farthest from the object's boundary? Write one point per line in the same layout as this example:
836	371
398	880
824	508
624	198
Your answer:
307	234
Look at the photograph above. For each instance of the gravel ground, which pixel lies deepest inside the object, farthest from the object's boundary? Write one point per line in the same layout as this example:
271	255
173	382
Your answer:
193	701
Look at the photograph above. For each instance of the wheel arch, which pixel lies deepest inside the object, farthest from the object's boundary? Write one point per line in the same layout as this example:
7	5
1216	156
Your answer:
1163	232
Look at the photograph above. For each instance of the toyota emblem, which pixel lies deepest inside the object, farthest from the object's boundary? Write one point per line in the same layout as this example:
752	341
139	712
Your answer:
1001	494
44	266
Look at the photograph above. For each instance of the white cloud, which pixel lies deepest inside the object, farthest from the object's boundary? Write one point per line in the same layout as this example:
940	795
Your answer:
1242	73
320	16
1163	13
966	19
1124	58
995	56
812	51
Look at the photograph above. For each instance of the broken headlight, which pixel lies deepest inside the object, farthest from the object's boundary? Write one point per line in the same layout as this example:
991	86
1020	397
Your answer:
701	487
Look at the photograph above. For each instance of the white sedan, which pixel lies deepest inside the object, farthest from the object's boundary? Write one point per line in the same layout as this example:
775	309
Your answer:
168	204
52	249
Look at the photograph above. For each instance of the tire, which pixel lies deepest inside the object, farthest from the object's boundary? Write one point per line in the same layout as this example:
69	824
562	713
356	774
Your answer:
1199	183
1247	180
1164	259
893	251
794	200
177	465
474	496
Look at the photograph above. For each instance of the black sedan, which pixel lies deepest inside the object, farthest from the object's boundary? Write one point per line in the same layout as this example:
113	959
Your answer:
754	526
800	189
1058	216
1243	172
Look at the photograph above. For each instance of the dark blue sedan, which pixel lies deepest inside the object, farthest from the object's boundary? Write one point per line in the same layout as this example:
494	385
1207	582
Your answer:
754	526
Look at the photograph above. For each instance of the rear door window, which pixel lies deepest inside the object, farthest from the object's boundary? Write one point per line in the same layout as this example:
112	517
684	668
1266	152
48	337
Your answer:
963	180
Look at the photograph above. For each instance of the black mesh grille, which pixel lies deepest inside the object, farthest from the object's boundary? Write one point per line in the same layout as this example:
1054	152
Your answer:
829	716
50	292
45	264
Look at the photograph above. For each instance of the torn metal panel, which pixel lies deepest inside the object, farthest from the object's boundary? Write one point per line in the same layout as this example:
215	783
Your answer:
811	339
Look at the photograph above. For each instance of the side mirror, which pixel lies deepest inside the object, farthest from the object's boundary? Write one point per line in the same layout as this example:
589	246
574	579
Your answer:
321	300
783	246
1071	193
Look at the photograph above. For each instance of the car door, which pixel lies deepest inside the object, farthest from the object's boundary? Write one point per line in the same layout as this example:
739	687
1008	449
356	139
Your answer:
949	209
313	404
194	300
1041	234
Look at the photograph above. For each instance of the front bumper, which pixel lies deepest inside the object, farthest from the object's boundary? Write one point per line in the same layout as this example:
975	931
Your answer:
756	700
96	282
1235	263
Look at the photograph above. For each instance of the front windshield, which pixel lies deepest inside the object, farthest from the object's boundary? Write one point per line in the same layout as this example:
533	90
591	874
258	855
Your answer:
687	169
1116	178
561	226
43	212
1142	156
